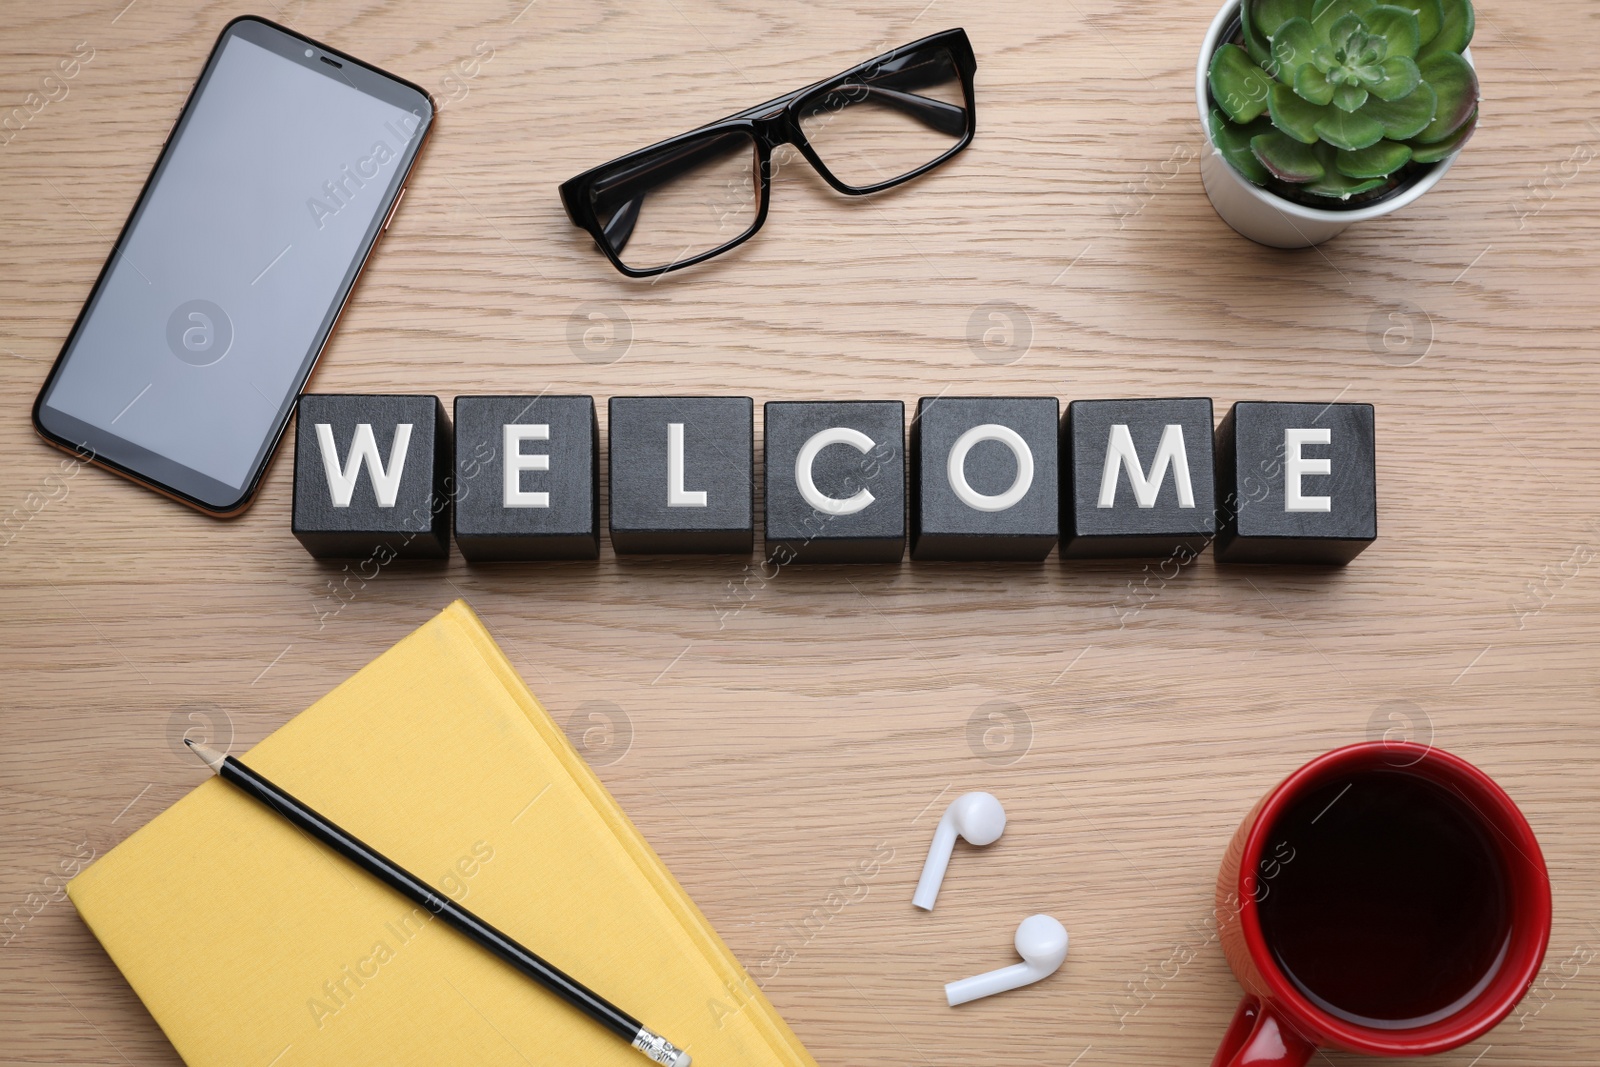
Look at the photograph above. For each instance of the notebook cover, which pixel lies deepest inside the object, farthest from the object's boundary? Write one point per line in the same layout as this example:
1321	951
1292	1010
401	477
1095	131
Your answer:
252	944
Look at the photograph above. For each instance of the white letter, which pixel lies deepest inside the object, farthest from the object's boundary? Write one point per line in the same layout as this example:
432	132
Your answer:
1296	466
516	463
957	467
837	435
677	495
1119	451
364	449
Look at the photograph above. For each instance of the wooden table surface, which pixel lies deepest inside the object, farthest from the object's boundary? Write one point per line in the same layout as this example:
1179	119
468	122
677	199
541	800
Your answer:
768	734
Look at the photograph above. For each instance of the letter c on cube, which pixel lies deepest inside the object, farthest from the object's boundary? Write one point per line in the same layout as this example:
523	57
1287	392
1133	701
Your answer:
807	458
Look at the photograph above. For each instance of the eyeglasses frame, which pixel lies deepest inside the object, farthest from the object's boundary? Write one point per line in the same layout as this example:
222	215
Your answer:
770	125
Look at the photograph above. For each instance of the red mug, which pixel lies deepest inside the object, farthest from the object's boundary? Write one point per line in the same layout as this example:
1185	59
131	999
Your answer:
1283	1020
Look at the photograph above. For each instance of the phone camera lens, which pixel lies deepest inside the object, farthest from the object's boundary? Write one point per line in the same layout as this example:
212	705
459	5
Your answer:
309	53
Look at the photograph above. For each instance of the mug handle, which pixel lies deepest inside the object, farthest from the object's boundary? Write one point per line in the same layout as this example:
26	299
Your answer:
1258	1038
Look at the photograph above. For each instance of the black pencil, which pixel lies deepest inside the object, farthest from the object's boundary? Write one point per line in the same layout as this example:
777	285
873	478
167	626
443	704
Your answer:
610	1016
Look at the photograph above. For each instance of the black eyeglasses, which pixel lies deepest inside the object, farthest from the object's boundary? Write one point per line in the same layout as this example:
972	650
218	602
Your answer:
695	196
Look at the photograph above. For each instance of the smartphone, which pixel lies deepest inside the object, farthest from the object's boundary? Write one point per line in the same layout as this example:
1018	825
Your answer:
228	278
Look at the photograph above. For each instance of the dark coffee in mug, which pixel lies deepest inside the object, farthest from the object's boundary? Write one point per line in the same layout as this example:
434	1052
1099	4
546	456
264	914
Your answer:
1388	905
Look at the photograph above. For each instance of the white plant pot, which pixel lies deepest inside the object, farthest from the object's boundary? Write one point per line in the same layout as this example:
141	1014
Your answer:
1261	215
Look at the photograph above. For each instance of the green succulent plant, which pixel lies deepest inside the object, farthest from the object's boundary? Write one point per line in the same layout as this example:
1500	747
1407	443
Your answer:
1335	98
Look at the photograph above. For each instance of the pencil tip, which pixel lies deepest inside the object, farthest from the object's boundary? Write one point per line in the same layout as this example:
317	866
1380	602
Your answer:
211	756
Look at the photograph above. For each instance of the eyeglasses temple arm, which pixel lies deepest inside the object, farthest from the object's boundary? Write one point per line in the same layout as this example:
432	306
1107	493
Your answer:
631	184
946	118
619	228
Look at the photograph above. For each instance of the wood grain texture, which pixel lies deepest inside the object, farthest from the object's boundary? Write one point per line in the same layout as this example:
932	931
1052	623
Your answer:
768	733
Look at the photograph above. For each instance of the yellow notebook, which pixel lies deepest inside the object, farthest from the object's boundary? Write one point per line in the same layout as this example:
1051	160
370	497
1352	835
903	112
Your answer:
252	944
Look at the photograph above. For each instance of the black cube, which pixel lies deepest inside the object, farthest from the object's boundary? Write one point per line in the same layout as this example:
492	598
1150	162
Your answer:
835	479
682	474
372	477
984	480
527	478
1298	483
1140	478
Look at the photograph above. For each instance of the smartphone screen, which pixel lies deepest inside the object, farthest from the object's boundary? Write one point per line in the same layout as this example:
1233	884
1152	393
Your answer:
222	289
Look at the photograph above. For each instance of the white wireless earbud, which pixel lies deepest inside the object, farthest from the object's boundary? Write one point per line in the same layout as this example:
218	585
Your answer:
1042	944
977	817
